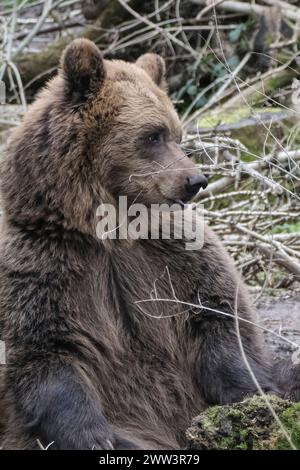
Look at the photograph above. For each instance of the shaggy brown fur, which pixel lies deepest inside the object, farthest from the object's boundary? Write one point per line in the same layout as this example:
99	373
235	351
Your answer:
87	366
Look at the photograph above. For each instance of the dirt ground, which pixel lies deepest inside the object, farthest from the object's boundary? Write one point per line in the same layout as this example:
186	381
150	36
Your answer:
281	315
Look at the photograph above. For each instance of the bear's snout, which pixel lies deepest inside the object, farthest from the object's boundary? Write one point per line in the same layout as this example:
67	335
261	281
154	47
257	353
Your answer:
194	184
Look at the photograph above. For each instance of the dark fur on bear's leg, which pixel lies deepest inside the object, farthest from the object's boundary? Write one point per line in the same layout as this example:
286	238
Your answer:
57	409
222	373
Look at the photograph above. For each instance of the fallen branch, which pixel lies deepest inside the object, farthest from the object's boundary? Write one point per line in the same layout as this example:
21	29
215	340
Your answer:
288	263
253	8
247	169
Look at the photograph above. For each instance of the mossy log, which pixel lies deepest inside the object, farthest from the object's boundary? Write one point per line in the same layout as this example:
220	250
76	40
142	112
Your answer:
248	425
265	86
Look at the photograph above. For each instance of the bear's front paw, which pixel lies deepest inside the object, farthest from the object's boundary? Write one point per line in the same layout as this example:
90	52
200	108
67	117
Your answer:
96	437
110	441
81	436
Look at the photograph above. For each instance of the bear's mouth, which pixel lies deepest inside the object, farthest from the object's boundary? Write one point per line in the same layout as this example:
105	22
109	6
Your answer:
188	199
180	202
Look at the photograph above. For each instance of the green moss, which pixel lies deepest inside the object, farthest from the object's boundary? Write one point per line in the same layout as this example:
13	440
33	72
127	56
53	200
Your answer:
240	125
287	228
253	141
291	421
229	117
248	425
271	86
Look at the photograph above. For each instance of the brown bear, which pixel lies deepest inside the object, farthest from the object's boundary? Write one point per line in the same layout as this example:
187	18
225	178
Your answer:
88	365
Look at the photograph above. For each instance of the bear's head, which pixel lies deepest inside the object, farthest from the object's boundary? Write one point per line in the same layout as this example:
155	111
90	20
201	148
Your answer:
101	129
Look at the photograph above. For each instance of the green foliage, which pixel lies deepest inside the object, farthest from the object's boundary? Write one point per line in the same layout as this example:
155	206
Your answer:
287	228
220	69
233	117
18	3
236	33
291	420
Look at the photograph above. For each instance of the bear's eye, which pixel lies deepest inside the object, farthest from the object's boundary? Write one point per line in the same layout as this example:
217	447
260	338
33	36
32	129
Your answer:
155	138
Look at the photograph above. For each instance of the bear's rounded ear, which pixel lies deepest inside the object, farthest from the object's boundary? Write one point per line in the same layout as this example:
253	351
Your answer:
83	68
155	66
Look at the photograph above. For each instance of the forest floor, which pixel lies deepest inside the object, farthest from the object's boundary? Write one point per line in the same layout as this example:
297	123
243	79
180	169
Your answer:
281	314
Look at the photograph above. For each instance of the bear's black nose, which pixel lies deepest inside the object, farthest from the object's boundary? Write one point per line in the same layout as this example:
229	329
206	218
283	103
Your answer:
194	183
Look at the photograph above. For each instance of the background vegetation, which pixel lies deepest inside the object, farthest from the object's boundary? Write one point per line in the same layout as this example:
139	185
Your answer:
233	73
